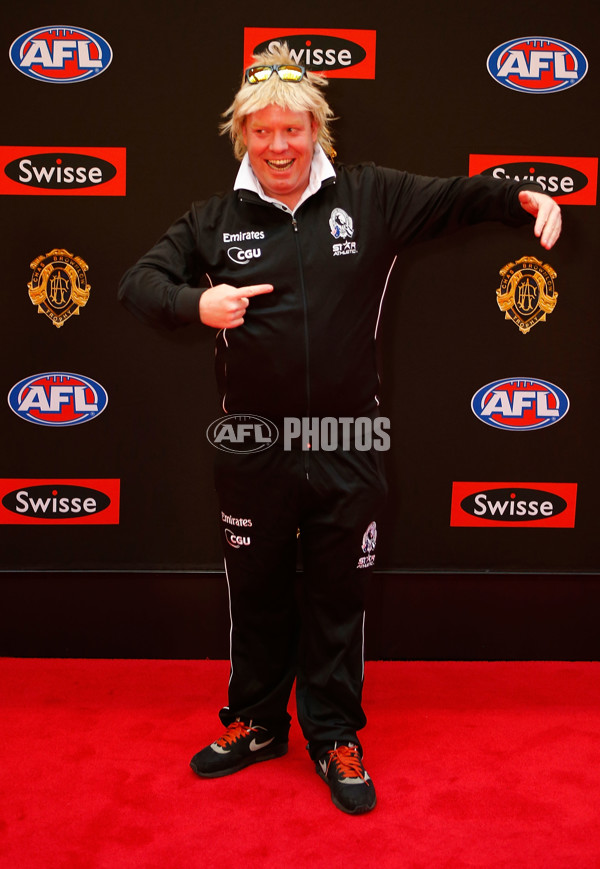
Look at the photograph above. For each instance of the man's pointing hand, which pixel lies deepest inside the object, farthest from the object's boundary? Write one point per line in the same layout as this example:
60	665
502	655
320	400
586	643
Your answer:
224	306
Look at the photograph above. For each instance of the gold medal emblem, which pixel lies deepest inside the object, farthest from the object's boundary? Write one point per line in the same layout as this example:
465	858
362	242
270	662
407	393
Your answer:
527	292
58	285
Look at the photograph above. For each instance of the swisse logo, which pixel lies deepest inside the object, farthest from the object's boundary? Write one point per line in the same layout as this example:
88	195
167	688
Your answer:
520	404
242	433
57	399
572	180
335	53
242	256
537	65
60	54
63	171
501	505
59	502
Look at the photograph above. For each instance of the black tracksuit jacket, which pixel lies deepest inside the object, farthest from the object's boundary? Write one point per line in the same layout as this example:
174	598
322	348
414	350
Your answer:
308	348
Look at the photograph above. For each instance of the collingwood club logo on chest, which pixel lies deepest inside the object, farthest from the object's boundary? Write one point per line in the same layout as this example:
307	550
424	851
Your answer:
341	227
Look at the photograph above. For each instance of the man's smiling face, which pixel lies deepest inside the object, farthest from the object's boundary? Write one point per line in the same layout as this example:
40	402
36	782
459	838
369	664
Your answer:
281	145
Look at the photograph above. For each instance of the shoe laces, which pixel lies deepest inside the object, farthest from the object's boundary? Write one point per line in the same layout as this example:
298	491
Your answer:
236	730
347	761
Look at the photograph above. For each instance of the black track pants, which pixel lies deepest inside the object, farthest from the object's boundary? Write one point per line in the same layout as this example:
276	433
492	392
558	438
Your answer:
311	629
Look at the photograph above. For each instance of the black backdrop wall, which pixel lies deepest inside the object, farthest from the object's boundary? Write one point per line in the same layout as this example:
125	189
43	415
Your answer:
143	576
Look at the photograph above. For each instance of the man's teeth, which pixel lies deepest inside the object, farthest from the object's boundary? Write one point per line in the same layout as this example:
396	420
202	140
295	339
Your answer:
280	164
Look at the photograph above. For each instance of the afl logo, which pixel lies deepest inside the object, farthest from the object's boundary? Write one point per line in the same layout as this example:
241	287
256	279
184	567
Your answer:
60	54
537	65
520	404
57	399
242	433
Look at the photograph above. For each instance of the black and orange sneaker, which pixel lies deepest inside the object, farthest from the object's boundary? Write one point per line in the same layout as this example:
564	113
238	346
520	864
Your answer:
352	789
241	745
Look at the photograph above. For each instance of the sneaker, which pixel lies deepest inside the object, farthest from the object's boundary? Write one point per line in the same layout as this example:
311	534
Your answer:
241	745
352	790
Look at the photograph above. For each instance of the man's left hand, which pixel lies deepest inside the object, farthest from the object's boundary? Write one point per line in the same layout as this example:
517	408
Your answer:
547	213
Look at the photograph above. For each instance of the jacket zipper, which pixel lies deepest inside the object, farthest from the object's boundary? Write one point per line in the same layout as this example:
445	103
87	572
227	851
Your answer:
306	342
244	197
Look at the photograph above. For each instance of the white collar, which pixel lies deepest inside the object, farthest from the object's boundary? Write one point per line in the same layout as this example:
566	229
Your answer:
320	169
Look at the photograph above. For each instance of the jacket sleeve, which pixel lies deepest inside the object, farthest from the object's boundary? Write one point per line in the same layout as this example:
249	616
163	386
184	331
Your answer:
161	289
417	207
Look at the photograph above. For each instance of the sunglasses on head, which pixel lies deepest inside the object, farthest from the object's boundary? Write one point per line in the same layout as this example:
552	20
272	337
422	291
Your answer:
285	71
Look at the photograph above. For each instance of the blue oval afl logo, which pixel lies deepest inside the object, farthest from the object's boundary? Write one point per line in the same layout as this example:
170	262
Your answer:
57	399
242	433
520	404
537	65
60	54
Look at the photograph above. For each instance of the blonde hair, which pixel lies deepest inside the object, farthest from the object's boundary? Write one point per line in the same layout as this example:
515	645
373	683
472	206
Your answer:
302	96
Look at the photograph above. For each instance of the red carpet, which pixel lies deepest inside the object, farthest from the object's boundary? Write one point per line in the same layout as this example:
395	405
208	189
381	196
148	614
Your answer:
493	765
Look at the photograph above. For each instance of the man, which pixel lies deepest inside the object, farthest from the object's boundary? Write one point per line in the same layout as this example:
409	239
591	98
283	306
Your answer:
291	267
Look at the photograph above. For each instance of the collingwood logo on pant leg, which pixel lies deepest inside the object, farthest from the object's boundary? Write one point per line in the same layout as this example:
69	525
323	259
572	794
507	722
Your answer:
369	542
